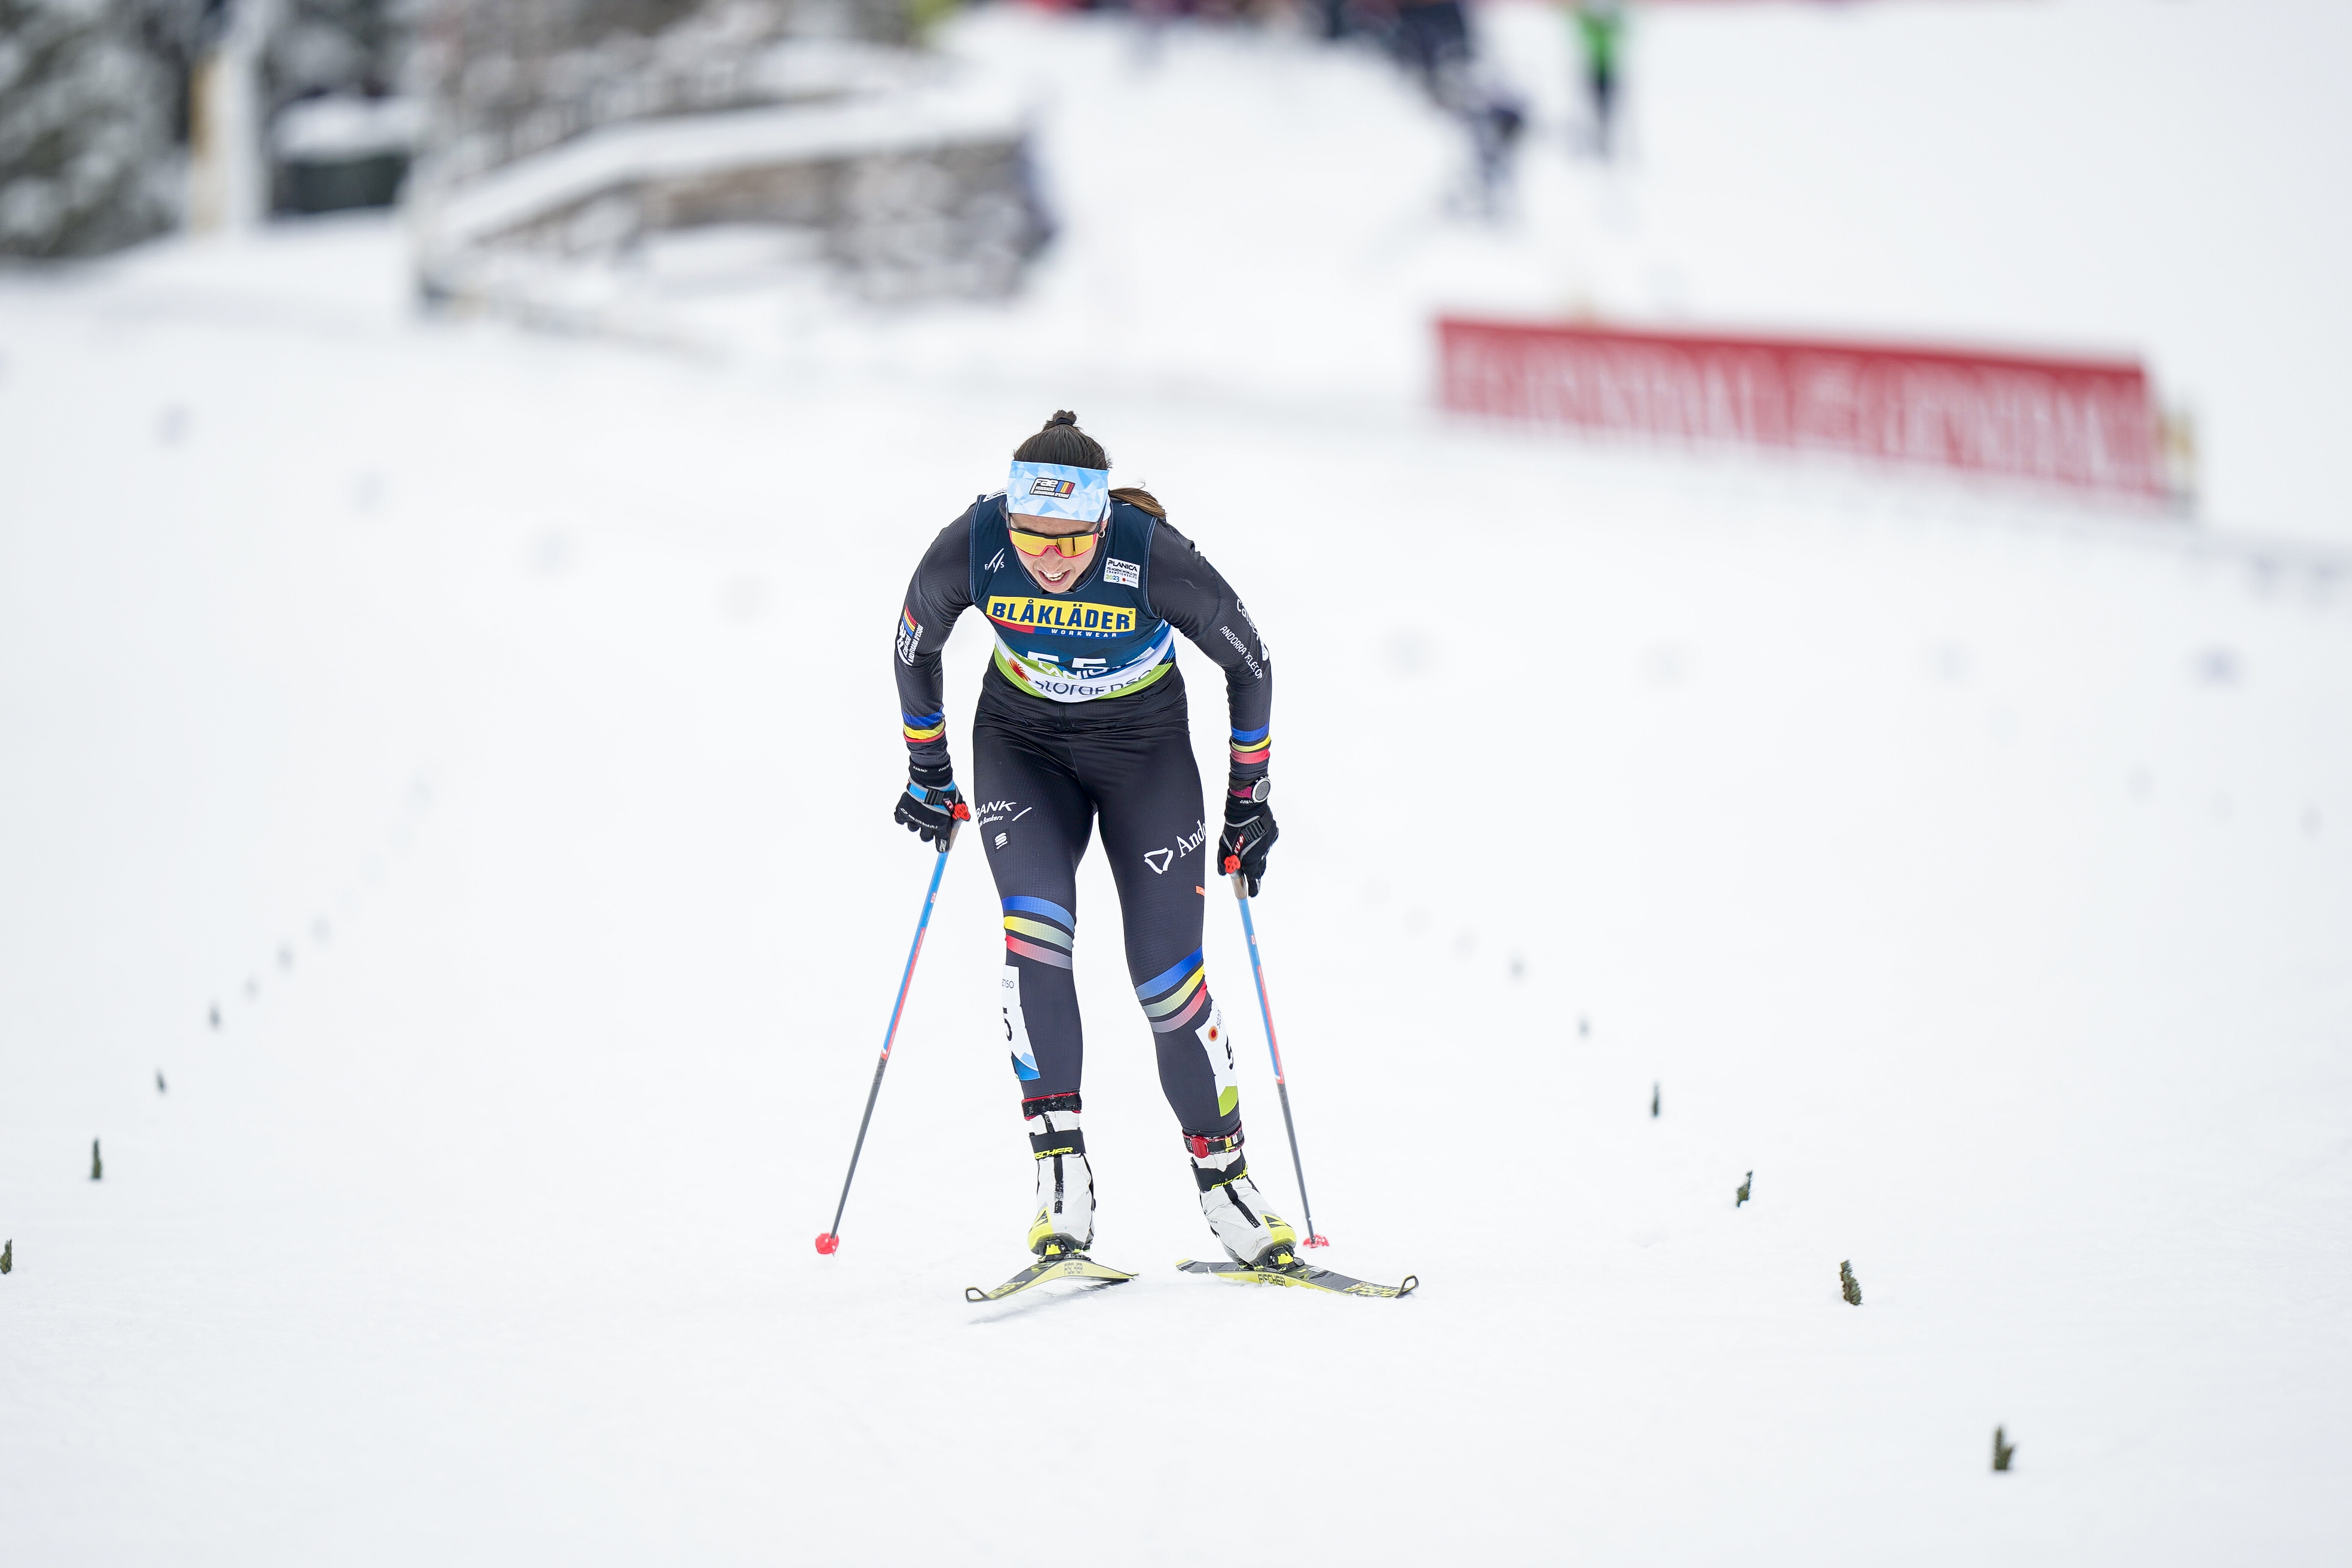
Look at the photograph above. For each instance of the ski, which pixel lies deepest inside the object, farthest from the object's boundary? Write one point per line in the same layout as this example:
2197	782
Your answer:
1299	1274
1071	1265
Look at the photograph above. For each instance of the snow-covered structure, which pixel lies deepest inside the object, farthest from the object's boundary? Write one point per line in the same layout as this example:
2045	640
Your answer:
341	131
563	135
343	151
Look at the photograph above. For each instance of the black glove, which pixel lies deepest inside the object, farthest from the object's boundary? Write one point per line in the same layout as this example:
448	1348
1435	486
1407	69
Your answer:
932	807
1249	830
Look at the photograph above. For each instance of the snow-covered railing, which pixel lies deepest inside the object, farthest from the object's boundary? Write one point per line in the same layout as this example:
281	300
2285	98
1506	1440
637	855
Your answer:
701	146
920	190
2086	423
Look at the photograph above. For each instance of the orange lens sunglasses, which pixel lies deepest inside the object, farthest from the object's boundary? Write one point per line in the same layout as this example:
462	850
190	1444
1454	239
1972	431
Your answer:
1067	545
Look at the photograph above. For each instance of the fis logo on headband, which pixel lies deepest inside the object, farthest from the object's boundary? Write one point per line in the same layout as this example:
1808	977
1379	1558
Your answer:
1060	616
1060	489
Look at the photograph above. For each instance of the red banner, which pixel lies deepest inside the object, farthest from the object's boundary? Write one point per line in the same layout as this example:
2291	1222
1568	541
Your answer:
2087	422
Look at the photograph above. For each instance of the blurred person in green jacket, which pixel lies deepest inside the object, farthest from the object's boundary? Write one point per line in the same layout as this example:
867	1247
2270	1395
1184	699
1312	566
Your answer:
1601	28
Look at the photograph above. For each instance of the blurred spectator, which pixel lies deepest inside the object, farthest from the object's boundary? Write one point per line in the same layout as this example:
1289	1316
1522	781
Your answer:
1433	36
1495	117
1599	28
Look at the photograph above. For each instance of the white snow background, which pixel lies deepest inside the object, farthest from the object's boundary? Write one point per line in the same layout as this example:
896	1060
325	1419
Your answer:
497	730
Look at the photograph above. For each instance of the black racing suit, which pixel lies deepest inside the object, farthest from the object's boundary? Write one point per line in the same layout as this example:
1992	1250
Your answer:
1082	716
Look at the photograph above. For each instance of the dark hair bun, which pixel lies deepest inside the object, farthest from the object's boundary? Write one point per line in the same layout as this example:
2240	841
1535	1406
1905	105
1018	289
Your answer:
1061	441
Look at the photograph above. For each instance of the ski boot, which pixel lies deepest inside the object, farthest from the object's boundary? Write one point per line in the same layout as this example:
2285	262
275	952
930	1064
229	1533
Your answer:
1251	1234
1066	1184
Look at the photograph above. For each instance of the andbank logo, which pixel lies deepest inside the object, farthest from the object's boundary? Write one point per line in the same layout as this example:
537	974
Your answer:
1060	616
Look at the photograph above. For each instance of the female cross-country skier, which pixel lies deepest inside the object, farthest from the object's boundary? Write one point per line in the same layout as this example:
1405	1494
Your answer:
1081	719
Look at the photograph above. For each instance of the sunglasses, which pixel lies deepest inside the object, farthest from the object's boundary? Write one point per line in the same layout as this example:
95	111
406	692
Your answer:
1067	545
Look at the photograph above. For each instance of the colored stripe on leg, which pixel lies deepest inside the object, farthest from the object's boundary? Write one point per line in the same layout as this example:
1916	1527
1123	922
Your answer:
1199	1000
1059	960
1045	907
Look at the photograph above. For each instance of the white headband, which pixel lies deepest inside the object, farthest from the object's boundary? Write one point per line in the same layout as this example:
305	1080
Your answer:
1054	489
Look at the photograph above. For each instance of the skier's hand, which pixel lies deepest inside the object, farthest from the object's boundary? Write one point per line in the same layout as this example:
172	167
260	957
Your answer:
933	809
1249	831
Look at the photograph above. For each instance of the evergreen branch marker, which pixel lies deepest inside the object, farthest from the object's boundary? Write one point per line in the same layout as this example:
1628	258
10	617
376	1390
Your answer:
97	1166
8	1256
1743	1190
1849	1286
2001	1449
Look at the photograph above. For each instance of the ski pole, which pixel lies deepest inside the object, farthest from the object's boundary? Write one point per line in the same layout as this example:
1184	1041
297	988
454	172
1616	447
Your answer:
1281	1086
830	1241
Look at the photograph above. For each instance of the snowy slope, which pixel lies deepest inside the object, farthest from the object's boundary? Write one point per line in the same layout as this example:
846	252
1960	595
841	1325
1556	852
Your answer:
1258	218
1971	872
2162	179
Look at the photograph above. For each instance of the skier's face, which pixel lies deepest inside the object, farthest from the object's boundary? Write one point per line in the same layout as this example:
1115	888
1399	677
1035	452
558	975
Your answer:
1054	571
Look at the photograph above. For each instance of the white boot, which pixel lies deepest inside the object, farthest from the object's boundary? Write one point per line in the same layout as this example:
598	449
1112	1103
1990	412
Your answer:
1249	1231
1066	1184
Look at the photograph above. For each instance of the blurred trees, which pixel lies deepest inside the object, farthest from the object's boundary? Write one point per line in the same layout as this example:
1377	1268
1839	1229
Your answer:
95	94
510	77
324	47
90	116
